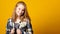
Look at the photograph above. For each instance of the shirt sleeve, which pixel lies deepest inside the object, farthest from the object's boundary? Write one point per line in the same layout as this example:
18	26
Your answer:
8	27
29	28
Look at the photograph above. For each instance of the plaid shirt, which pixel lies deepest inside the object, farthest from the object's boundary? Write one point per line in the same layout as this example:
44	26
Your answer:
25	29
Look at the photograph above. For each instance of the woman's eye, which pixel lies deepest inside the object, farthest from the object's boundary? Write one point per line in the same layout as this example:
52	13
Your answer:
22	10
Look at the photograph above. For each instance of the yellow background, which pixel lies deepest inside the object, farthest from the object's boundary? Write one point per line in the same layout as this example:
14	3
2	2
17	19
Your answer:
45	15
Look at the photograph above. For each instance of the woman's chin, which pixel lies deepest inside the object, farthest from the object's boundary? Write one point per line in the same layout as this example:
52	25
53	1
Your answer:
18	15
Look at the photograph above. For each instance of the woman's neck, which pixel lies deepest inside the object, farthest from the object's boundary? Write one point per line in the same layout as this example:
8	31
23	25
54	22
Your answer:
17	19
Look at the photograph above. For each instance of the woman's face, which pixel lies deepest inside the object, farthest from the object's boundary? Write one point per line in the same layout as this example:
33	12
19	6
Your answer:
20	9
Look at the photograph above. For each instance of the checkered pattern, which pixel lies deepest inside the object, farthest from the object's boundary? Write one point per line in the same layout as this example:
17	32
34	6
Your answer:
28	27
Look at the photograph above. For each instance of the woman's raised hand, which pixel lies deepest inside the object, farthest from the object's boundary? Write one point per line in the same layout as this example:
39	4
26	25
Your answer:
19	31
12	31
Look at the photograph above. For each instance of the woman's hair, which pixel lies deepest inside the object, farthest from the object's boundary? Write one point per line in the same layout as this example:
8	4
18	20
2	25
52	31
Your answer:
24	15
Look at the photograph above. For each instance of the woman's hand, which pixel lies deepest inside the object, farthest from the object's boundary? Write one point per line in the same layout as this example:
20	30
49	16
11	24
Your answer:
18	31
12	31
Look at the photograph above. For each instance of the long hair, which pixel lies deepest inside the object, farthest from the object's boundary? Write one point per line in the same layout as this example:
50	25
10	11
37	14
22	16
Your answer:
25	15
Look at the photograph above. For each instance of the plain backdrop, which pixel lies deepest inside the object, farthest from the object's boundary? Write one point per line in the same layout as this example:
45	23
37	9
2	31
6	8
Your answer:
44	14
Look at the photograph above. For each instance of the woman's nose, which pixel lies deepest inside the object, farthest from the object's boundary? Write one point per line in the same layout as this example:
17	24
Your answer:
19	11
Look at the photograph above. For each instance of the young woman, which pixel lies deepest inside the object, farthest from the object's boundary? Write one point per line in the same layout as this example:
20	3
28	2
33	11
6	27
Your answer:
19	23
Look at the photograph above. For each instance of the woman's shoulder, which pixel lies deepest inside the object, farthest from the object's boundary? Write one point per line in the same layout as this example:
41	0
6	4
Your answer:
26	19
9	19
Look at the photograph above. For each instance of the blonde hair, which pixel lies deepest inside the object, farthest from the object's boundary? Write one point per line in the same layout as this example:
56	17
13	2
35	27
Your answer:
25	15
